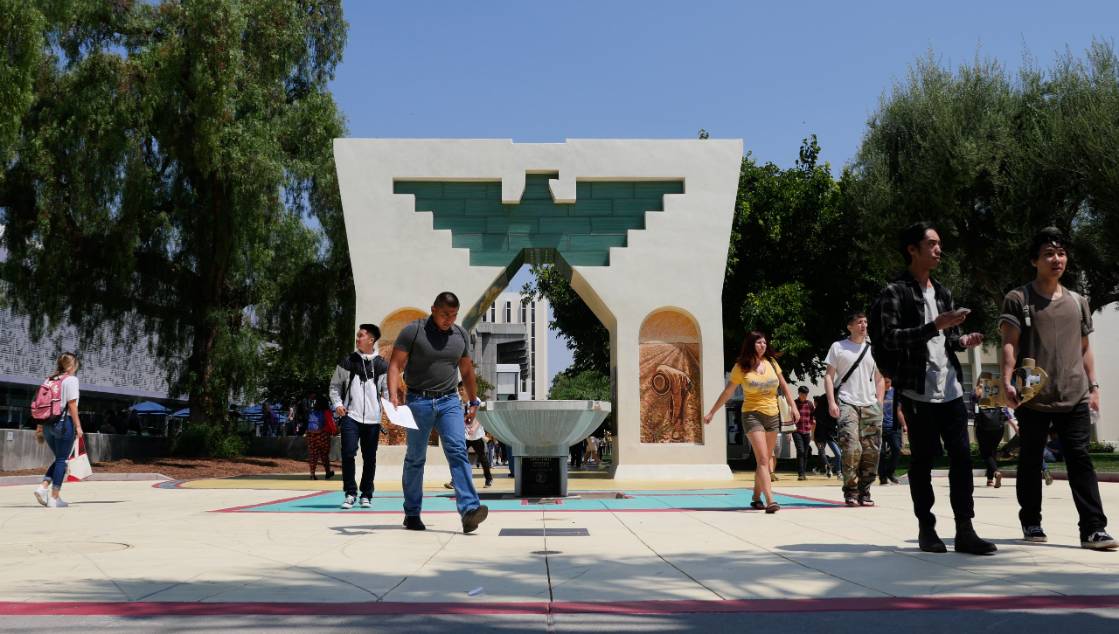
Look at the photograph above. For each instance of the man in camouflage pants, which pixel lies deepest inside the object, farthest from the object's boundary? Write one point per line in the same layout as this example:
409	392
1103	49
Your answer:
856	402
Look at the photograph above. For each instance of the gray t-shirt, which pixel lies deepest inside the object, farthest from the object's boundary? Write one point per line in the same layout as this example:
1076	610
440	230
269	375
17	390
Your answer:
941	383
433	355
1054	339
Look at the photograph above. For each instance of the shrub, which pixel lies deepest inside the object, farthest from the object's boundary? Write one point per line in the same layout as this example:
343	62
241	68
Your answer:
207	441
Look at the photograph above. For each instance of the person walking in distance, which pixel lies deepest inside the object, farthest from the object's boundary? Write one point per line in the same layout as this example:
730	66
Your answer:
757	371
1049	323
59	428
893	425
431	354
856	402
355	390
802	437
917	327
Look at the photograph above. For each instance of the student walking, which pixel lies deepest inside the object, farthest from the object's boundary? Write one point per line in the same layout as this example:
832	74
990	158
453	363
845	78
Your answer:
1049	323
757	371
893	426
355	396
990	427
917	332
55	409
856	403
823	435
431	353
802	437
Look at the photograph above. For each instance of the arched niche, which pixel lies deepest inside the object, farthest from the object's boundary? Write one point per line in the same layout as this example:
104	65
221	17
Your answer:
390	330
669	362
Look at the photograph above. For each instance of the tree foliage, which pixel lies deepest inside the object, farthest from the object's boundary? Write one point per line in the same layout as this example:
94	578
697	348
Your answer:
991	158
584	334
162	162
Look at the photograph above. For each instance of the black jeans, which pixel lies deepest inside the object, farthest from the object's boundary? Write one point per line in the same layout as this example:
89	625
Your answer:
891	452
929	425
1074	429
988	438
803	442
479	447
367	436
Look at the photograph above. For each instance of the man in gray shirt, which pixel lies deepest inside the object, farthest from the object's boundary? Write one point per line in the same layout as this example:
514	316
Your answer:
432	353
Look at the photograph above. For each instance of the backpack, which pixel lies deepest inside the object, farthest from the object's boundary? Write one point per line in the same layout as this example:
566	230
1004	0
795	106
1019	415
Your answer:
886	359
355	365
47	403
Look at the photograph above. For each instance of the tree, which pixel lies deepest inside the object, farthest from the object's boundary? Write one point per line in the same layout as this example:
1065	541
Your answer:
160	176
584	334
991	159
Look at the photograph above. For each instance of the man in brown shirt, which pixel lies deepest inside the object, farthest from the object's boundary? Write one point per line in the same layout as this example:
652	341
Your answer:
1049	323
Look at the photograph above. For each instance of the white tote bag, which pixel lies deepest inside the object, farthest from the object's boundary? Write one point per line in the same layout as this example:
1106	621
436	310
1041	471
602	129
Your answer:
77	465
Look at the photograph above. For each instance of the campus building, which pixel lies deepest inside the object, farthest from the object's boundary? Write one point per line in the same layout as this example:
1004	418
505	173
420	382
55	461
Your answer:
510	348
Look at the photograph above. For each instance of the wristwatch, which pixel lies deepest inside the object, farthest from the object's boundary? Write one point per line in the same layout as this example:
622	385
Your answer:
475	403
1093	386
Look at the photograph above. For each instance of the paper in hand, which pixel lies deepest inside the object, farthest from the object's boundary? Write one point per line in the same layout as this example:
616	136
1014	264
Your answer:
399	416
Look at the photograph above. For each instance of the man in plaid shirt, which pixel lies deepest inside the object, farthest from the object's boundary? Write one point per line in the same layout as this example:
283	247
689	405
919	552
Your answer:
920	332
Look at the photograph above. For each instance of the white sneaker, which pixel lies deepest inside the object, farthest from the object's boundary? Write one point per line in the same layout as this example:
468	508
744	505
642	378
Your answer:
56	503
349	503
366	503
41	494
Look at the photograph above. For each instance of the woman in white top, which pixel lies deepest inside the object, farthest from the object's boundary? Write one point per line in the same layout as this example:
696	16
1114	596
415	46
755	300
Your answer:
60	434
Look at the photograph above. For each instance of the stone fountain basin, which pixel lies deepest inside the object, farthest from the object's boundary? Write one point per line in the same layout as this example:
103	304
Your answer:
542	428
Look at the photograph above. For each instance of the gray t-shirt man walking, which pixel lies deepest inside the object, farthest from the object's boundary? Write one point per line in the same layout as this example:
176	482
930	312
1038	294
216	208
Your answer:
431	354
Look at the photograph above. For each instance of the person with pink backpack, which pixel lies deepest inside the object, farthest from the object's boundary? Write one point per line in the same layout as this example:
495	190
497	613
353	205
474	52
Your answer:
55	410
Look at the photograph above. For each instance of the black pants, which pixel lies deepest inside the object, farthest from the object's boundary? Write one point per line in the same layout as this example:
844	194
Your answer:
367	436
577	456
989	439
1074	429
479	447
930	424
891	452
803	442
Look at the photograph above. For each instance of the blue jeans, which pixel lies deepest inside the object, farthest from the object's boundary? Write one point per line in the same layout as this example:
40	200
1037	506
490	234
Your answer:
837	459
60	438
445	415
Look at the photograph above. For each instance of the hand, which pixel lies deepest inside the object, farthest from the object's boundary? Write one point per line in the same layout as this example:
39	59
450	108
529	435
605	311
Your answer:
708	417
949	319
397	398
796	415
833	409
471	412
80	432
1094	400
971	339
1011	395
339	411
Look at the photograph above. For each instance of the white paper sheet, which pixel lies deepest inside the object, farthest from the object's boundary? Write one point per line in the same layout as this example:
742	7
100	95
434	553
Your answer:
399	416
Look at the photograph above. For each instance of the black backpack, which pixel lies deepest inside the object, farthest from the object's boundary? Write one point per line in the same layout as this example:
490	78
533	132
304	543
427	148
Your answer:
355	365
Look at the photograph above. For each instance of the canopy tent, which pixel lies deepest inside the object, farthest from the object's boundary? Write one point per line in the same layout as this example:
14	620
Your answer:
149	407
183	413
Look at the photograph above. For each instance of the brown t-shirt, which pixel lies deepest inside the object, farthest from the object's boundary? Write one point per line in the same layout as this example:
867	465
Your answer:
1054	340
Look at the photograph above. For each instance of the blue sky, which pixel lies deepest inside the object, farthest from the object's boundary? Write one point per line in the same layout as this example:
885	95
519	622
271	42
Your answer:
768	73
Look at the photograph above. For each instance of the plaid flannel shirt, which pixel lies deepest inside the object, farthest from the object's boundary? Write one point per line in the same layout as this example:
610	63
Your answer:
905	330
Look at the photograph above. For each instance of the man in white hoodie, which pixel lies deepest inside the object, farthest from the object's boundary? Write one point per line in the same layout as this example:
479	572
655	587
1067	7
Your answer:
355	391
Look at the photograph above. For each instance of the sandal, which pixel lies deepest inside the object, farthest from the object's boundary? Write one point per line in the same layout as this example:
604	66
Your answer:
756	504
772	508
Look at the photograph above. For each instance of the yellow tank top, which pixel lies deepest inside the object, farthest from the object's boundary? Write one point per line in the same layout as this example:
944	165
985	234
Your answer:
759	390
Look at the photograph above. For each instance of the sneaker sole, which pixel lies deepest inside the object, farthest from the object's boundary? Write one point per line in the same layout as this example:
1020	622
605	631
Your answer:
482	513
40	497
1094	546
1039	540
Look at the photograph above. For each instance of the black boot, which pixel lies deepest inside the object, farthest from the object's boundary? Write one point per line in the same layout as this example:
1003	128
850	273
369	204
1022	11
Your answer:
968	542
929	541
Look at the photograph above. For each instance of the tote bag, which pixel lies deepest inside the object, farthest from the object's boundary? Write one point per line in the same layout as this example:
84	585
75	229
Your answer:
77	465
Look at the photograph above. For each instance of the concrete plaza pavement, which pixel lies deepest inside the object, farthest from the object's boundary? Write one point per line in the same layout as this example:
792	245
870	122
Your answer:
133	556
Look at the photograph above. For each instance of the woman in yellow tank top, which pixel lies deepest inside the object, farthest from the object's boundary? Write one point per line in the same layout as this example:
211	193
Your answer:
762	383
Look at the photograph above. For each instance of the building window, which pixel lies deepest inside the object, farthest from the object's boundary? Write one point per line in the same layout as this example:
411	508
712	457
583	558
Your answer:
524	314
493	313
508	312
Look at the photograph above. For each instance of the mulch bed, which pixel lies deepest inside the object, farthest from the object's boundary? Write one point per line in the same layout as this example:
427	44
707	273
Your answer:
192	468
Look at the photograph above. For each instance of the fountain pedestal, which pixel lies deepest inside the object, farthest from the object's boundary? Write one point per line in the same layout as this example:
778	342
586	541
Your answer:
539	435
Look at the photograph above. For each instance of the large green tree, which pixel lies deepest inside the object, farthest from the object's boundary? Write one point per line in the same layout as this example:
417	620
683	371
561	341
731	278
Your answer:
991	157
161	163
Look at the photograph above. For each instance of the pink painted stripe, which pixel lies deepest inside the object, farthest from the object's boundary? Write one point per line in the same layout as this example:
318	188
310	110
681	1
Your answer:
860	604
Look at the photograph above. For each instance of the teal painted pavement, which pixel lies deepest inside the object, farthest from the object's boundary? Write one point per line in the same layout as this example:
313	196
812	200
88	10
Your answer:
581	233
588	501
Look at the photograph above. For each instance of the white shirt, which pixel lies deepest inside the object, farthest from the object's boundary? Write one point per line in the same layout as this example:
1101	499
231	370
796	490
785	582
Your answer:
69	392
365	405
941	383
479	432
859	388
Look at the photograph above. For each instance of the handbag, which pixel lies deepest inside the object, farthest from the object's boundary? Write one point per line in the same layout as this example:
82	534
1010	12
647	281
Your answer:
784	412
77	465
329	426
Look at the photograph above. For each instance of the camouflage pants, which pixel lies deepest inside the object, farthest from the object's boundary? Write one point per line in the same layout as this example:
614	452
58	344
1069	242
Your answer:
860	439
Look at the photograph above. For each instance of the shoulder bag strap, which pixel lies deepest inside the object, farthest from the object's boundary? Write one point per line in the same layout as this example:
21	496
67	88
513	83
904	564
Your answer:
866	346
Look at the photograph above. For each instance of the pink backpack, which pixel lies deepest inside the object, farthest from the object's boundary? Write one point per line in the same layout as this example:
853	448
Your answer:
47	403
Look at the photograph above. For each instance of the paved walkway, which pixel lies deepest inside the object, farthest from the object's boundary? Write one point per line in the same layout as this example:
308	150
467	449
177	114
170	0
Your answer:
140	555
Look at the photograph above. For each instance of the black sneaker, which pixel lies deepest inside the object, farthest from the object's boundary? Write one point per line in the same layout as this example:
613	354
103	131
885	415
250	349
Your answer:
1034	534
1099	540
488	484
849	500
413	523
864	500
929	541
472	518
893	480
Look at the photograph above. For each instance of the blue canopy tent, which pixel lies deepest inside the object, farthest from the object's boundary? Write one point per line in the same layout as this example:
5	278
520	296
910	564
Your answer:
149	407
183	413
